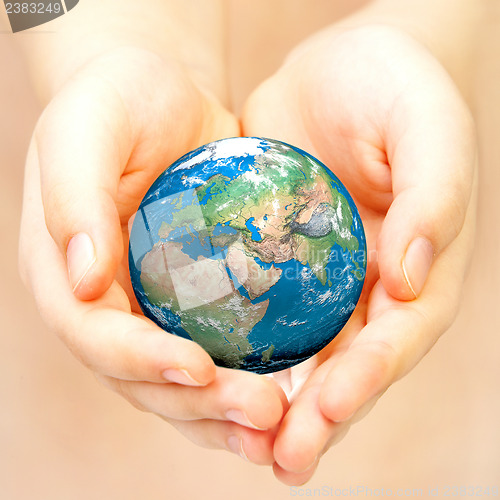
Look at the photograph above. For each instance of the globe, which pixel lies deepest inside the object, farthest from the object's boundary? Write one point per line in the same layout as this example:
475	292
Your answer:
253	249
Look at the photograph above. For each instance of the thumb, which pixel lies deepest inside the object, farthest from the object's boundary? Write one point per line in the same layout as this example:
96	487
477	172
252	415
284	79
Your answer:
81	139
432	164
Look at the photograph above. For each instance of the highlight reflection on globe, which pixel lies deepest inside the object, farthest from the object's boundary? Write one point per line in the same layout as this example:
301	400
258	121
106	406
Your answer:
251	248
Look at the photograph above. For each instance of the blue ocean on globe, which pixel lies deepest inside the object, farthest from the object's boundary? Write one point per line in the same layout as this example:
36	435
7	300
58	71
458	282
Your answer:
253	249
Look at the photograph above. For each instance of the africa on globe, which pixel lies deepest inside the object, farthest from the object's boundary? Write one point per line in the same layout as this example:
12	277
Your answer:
253	249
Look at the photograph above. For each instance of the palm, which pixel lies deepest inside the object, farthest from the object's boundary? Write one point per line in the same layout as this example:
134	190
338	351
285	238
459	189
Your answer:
153	155
150	112
348	140
132	114
349	99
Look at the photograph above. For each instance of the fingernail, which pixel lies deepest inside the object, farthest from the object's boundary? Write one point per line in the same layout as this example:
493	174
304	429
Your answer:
235	444
180	376
80	255
310	466
417	263
344	419
240	417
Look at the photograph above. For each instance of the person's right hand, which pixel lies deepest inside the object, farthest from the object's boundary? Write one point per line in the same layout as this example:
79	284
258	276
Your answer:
98	146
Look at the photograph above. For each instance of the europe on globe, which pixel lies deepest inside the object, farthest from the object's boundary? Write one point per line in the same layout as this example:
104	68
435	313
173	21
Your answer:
253	249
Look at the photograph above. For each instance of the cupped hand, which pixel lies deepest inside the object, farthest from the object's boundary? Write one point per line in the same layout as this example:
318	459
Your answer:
380	111
98	146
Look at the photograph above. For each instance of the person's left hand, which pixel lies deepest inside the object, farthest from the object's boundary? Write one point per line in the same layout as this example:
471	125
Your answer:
380	111
113	127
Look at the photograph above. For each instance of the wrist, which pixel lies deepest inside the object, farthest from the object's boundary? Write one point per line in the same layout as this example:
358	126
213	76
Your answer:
176	32
447	28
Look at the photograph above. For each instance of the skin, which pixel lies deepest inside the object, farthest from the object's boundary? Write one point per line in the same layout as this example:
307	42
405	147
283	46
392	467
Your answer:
372	101
100	321
371	144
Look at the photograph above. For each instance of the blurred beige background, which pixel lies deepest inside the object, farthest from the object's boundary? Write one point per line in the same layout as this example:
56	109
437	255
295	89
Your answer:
63	436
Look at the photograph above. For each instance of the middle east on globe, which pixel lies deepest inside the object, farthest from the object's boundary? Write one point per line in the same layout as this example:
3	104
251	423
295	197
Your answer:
251	248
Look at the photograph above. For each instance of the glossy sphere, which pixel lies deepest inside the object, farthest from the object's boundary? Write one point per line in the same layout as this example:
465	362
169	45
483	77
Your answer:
253	249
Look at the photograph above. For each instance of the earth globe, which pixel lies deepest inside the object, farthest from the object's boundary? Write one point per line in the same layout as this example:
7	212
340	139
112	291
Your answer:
253	249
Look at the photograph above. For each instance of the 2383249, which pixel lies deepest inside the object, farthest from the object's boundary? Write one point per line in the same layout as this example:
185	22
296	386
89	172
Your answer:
33	8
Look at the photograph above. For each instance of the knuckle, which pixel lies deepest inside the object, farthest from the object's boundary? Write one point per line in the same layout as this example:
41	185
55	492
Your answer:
141	359
75	346
125	389
450	213
57	202
383	364
443	217
57	198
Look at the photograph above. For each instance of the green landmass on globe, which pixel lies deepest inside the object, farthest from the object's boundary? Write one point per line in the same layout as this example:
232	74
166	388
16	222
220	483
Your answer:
282	208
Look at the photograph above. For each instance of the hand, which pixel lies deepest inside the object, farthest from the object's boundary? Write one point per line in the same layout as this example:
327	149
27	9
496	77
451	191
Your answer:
100	143
378	109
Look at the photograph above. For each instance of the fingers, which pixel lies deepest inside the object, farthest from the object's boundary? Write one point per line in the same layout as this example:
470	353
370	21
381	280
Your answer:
293	478
82	144
365	371
251	445
247	399
115	343
296	464
397	335
238	411
345	386
310	429
305	434
106	337
100	144
432	154
101	333
131	348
